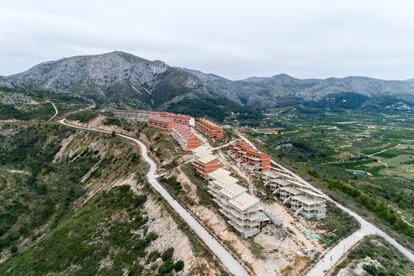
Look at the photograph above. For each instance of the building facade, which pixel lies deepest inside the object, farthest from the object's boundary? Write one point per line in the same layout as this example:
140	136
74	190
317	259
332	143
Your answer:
185	137
242	210
209	129
248	157
177	118
298	196
137	115
161	123
206	165
144	115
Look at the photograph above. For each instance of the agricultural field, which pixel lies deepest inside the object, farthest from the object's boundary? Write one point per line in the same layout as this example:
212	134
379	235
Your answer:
362	160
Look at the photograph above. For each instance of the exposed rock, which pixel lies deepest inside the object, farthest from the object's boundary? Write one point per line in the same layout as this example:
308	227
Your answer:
4	83
125	80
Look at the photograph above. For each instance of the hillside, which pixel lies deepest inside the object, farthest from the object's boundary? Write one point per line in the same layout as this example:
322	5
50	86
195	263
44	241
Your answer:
79	200
123	80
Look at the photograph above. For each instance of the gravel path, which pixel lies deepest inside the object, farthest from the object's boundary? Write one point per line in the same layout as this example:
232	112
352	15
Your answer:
56	111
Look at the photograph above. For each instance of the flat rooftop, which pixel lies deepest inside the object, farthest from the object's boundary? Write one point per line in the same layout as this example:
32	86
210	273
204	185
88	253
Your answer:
207	158
161	119
219	173
233	190
282	182
222	178
307	200
271	173
201	151
244	201
291	190
208	122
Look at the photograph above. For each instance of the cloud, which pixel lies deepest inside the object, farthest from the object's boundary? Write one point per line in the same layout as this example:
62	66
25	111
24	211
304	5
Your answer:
236	39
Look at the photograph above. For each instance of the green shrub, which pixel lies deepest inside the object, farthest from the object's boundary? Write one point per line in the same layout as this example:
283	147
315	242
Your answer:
168	254
179	265
166	268
84	116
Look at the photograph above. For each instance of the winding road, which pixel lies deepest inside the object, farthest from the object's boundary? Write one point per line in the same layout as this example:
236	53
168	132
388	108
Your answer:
226	258
333	255
328	261
56	111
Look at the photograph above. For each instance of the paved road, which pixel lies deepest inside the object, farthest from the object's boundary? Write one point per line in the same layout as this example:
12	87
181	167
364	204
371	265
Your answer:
332	257
222	254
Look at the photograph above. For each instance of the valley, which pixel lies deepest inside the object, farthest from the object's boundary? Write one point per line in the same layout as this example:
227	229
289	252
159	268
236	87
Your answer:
352	155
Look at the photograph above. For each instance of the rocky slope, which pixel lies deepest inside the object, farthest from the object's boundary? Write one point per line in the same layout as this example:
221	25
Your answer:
119	78
124	80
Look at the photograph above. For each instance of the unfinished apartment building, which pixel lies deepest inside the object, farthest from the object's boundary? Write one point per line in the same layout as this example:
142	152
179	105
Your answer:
137	115
300	197
205	165
144	115
242	210
209	129
248	157
161	123
177	118
205	162
185	137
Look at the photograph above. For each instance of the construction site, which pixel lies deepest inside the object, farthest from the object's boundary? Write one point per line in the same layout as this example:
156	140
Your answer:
294	193
269	236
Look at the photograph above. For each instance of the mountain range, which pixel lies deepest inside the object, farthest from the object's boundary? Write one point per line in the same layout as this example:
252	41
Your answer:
123	80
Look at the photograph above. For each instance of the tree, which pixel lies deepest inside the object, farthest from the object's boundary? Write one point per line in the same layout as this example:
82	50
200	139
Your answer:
168	254
179	265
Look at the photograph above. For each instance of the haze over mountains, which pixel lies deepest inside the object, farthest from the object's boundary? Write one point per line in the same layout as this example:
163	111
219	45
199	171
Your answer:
124	80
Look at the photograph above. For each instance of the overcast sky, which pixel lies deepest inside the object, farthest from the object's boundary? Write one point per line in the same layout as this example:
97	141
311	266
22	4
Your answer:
235	39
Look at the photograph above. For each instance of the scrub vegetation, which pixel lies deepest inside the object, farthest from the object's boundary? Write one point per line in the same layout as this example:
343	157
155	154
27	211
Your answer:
42	217
387	260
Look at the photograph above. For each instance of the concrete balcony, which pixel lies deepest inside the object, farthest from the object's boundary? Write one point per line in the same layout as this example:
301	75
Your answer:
245	232
244	222
241	217
316	215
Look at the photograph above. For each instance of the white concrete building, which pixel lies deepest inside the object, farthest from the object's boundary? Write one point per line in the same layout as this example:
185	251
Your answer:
309	204
138	115
301	199
246	214
242	210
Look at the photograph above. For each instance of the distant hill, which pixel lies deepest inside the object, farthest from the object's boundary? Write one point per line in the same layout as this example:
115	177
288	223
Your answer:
123	80
283	90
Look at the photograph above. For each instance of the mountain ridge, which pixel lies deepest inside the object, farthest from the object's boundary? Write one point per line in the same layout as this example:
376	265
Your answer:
122	79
